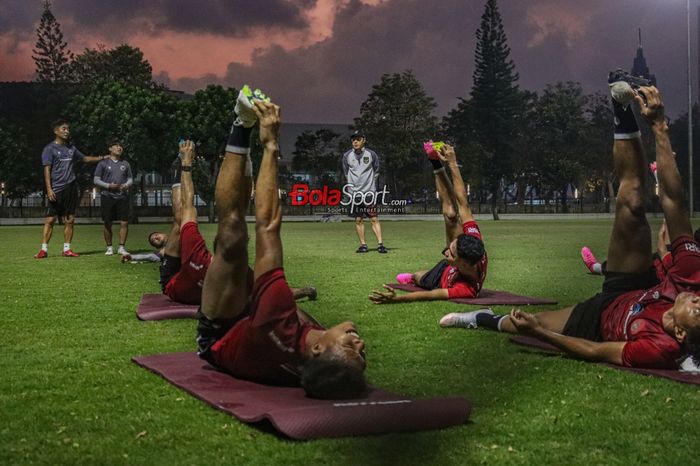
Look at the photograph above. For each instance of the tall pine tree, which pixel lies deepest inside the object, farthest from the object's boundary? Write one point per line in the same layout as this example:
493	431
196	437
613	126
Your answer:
51	54
493	112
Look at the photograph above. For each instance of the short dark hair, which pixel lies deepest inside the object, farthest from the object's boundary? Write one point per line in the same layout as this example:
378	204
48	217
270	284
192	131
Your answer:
328	378
470	248
692	344
696	235
58	122
150	239
114	142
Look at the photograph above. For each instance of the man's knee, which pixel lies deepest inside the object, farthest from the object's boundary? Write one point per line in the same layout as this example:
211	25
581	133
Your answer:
359	220
50	221
69	220
124	223
232	242
450	215
633	202
374	220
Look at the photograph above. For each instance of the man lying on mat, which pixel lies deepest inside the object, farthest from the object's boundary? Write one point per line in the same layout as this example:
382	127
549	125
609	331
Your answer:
636	320
462	271
253	329
185	257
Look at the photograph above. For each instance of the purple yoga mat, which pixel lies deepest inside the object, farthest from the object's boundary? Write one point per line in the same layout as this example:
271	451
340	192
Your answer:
160	307
301	418
487	297
678	376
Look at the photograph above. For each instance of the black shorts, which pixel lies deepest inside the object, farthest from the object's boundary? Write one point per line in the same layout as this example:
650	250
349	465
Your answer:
169	267
65	203
364	211
115	208
209	331
431	279
584	321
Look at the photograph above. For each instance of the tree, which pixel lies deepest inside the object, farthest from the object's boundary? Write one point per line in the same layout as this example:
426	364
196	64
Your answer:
557	131
21	173
318	153
51	54
207	120
598	164
396	119
124	64
143	118
497	102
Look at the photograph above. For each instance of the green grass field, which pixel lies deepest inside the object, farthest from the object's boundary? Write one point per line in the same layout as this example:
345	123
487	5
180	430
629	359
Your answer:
70	395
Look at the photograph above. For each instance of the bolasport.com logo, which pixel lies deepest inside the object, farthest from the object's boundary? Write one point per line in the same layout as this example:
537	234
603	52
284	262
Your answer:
347	200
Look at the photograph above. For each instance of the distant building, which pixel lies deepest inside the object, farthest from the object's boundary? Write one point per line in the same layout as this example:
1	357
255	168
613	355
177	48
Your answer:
639	65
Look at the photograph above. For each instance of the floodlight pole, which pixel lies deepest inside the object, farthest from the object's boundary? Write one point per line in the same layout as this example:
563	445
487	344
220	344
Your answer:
691	206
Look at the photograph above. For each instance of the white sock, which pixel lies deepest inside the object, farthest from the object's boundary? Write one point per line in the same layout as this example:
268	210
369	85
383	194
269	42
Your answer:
45	247
597	268
66	247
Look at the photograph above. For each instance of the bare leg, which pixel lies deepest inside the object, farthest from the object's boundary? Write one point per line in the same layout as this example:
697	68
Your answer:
449	212
225	291
376	228
172	247
360	229
68	228
48	229
123	232
629	250
107	231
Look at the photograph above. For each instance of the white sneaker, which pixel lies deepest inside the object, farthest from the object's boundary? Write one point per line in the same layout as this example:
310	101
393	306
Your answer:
109	251
463	319
122	252
244	106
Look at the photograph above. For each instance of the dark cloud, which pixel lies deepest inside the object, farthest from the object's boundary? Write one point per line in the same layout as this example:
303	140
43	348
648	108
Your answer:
234	18
550	40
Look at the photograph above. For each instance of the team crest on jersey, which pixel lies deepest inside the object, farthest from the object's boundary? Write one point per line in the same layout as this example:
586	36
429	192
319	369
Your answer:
365	159
472	230
634	328
122	168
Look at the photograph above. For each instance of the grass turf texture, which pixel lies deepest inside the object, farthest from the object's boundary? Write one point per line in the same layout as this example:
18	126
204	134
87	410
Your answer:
70	395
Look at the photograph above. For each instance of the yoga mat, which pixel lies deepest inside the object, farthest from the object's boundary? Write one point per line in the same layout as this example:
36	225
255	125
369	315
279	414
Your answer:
301	418
678	376
160	307
487	297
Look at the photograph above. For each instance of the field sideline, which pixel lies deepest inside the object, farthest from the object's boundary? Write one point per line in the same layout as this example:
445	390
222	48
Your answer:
70	395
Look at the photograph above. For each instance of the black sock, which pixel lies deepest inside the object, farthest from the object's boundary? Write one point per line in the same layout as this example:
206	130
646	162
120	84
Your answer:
489	321
626	126
437	165
239	140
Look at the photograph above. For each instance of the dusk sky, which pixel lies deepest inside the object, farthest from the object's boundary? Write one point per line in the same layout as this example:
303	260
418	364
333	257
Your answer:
319	58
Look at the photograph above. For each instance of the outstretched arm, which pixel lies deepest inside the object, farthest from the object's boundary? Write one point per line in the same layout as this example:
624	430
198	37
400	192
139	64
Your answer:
607	351
189	212
268	211
390	296
670	185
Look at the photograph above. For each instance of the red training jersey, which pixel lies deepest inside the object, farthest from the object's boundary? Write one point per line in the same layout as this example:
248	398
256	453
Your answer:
636	316
186	285
266	346
461	287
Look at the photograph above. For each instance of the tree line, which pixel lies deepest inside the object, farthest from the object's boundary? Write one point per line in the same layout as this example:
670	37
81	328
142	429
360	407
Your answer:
505	135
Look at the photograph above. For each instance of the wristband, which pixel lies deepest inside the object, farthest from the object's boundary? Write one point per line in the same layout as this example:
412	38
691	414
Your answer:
186	168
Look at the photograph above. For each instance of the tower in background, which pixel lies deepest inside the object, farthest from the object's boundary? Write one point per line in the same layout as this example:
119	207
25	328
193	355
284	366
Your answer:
639	65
